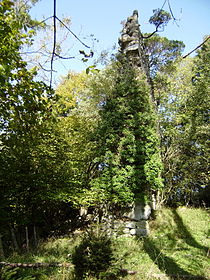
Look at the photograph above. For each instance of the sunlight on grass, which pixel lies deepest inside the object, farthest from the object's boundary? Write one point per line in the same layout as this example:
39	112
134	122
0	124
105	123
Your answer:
177	245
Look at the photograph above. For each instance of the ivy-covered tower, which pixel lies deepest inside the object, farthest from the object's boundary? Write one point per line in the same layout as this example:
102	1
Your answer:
130	163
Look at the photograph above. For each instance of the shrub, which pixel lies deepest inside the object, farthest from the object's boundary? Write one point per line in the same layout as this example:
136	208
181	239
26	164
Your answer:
94	255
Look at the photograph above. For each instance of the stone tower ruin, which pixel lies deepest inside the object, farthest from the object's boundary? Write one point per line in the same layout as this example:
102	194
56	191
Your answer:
132	46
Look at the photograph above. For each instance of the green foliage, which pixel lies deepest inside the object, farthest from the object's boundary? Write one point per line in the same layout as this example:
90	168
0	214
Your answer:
77	115
8	274
13	274
95	142
79	99
172	92
129	161
160	18
94	255
195	144
25	128
22	15
162	53
184	125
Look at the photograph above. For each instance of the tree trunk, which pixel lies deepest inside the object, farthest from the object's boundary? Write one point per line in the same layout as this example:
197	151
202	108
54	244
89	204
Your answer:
1	248
27	239
14	240
35	236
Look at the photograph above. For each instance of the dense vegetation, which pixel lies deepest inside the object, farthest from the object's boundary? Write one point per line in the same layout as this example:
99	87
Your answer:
98	140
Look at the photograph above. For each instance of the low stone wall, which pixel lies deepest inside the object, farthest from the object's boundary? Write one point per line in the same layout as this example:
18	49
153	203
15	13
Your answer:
128	228
133	223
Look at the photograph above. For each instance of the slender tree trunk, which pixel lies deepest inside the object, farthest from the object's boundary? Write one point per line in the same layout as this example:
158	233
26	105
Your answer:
27	239
14	240
1	247
35	236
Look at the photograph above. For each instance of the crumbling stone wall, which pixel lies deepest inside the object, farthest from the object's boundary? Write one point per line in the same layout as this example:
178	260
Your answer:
131	223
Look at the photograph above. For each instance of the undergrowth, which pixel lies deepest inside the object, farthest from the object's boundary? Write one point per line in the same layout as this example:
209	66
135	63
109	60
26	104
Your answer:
177	248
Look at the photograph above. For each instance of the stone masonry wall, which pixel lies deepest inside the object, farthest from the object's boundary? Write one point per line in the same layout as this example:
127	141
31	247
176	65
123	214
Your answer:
133	223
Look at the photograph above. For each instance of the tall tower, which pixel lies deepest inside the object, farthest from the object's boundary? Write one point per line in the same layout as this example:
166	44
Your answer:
132	46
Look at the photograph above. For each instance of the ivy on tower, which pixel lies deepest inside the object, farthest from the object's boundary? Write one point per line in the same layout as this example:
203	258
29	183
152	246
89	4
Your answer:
130	163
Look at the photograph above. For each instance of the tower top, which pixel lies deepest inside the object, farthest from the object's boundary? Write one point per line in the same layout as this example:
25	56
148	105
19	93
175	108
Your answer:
135	12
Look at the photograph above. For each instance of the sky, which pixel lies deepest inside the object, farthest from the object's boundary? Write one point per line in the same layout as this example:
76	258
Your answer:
98	24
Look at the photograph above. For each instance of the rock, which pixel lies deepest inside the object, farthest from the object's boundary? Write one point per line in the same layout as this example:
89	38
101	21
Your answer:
139	212
133	231
147	212
133	47
126	231
130	224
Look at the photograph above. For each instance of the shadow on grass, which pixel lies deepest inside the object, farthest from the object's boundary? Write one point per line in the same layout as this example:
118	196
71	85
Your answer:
184	233
166	264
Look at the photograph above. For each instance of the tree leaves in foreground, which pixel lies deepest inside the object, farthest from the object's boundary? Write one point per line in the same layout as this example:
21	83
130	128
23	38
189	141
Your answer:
26	175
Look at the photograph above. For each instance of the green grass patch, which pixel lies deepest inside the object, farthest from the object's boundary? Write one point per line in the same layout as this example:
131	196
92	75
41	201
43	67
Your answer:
177	248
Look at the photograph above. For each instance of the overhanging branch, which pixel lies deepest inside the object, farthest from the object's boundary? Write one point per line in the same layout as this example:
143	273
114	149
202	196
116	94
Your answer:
197	47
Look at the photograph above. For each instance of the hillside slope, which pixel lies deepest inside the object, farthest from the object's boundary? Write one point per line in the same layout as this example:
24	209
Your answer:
177	248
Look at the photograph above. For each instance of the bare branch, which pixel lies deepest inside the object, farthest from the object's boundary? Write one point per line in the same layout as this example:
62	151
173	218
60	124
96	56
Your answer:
34	265
34	52
46	70
175	20
72	33
55	18
163	5
63	57
151	34
197	47
54	43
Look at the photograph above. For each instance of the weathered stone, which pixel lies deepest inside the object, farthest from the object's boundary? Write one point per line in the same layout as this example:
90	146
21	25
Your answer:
133	231
130	224
126	38
127	235
141	232
126	231
132	47
139	212
83	211
141	224
147	211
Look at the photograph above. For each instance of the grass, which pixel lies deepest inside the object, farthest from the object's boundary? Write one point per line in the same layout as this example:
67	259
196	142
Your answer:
177	248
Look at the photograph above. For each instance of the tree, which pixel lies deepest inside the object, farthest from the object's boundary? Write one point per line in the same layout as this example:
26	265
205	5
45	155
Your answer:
195	151
173	90
184	130
23	115
79	100
162	53
160	18
76	113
